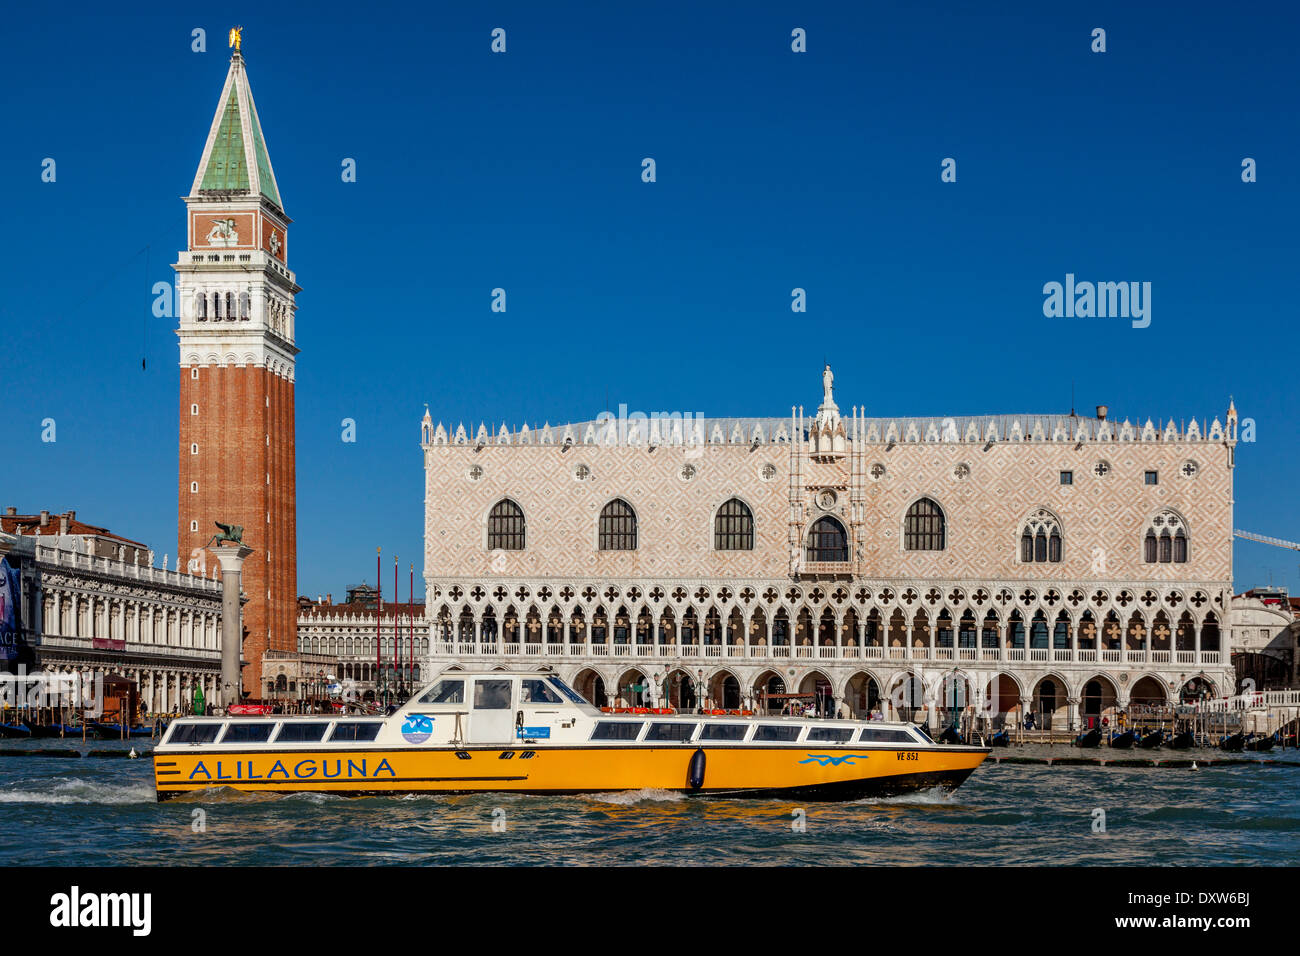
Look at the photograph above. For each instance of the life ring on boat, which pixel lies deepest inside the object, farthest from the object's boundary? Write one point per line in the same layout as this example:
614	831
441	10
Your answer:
695	770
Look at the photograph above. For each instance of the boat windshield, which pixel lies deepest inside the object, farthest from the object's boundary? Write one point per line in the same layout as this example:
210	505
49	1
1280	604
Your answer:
921	730
573	696
445	692
533	691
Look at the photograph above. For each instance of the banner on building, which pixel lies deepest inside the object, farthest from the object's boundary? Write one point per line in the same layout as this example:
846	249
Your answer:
10	625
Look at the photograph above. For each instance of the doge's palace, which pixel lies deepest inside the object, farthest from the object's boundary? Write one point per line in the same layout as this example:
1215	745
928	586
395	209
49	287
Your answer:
1066	565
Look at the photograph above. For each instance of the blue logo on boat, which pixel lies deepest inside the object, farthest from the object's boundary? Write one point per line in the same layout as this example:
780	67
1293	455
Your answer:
533	733
417	728
832	760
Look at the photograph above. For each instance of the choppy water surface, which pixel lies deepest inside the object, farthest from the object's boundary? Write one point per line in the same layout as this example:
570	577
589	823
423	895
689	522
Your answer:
96	811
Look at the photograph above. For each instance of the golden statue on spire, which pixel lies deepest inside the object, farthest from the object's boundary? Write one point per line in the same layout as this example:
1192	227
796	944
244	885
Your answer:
236	35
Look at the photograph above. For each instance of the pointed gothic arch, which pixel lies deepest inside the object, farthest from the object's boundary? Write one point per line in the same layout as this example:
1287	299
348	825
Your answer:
827	540
506	527
925	526
617	528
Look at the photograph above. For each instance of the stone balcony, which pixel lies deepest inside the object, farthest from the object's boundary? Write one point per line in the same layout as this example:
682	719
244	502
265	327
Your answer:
1014	656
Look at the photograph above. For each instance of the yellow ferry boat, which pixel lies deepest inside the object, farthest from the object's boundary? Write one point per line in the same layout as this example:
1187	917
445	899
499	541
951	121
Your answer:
530	733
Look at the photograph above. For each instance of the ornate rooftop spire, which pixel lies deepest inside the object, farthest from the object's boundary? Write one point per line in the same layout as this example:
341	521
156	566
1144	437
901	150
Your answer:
828	435
235	159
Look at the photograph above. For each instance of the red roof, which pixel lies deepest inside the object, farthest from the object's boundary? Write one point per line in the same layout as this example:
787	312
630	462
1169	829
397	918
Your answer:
31	525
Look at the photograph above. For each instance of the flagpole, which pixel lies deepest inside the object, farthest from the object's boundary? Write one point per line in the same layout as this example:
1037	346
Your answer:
379	610
411	615
397	641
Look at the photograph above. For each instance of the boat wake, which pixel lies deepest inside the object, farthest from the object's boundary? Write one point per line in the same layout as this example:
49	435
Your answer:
72	790
626	797
935	796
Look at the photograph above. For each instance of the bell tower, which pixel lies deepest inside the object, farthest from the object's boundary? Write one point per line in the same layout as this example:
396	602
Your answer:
236	304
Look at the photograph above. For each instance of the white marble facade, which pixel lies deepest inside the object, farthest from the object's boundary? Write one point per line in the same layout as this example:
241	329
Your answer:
1127	607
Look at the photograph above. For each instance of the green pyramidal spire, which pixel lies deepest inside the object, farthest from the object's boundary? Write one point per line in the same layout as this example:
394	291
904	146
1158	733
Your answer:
235	160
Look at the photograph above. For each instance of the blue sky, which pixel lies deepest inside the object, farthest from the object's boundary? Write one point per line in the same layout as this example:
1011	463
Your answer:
775	170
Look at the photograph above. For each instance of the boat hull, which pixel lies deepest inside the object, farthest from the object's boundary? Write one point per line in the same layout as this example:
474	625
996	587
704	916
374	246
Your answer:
828	773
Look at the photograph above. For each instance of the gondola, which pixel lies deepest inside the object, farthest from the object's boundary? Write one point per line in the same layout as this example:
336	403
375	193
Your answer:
1233	744
16	731
1000	739
107	731
950	735
1123	740
52	730
1184	741
1091	738
1260	744
1152	740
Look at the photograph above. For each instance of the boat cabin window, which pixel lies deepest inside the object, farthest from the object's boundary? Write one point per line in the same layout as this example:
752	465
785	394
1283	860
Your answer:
771	732
492	695
445	692
880	736
357	730
533	691
920	732
667	731
724	732
300	733
836	735
617	730
573	696
248	732
194	733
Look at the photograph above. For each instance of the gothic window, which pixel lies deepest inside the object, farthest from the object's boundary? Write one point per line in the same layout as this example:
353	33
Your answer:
1165	541
230	305
733	527
216	305
617	527
827	541
924	527
201	307
243	305
1040	539
505	527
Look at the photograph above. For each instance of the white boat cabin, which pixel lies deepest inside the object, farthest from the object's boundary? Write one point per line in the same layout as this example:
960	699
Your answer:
462	708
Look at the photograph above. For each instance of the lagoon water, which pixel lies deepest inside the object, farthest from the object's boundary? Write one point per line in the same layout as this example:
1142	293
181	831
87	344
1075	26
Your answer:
102	812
